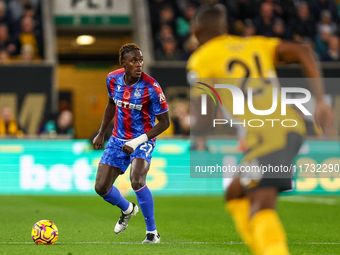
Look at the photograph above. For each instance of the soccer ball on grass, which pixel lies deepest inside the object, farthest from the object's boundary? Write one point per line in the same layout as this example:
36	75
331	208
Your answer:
45	232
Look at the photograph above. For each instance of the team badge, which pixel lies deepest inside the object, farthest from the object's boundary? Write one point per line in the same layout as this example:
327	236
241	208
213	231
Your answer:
137	93
126	95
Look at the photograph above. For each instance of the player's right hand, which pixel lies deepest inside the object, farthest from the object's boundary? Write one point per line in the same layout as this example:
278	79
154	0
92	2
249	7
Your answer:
98	141
324	116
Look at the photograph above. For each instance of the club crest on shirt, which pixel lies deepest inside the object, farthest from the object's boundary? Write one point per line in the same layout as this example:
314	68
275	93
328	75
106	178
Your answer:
137	93
126	95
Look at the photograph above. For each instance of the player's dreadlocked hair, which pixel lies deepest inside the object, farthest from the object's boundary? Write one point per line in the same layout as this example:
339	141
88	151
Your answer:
126	48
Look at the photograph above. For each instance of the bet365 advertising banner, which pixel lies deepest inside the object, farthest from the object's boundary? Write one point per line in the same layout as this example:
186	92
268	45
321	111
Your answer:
44	167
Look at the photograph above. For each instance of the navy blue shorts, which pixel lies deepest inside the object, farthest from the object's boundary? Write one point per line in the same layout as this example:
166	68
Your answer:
114	156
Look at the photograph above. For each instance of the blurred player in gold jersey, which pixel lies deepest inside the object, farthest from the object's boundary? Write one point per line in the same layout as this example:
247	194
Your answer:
252	204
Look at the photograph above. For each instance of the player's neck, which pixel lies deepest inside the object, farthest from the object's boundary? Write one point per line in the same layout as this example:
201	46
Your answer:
211	36
129	80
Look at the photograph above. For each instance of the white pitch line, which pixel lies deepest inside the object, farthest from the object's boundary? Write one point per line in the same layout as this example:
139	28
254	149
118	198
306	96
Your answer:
129	243
310	200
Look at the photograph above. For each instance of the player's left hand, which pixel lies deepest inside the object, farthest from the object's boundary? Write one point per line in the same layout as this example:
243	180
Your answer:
127	149
324	116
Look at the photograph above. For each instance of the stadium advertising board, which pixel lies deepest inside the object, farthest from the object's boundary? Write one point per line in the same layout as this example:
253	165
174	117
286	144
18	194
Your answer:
69	167
92	12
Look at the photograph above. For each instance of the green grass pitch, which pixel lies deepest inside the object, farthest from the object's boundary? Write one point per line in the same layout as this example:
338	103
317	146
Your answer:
188	225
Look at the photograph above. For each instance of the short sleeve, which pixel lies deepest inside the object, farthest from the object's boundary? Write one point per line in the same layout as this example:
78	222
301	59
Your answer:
157	98
197	68
270	44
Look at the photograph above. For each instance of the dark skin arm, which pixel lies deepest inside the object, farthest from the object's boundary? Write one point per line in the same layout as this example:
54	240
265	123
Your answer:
110	111
289	52
162	125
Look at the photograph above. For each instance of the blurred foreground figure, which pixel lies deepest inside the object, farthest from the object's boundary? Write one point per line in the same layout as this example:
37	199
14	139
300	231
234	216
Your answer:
251	197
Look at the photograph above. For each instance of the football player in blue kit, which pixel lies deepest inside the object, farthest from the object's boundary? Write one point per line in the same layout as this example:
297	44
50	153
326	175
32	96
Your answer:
135	101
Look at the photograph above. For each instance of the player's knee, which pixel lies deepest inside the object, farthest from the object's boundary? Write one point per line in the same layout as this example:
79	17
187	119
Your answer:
100	189
262	199
137	184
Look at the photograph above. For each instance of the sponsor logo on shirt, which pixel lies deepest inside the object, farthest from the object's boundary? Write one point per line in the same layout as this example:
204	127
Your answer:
128	105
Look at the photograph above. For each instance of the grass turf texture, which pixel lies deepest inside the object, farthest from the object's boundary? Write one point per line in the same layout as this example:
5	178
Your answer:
188	225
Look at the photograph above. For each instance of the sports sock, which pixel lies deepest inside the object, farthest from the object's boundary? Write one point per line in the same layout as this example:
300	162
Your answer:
152	232
145	201
239	210
129	210
269	233
115	198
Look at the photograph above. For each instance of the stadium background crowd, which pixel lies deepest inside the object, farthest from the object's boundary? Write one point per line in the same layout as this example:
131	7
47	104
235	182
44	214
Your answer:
20	31
314	23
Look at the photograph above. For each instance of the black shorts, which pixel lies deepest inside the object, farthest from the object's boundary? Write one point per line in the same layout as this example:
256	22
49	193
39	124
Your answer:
272	170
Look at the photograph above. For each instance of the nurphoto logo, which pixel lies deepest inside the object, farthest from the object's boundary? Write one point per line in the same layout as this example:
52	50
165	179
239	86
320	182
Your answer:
239	98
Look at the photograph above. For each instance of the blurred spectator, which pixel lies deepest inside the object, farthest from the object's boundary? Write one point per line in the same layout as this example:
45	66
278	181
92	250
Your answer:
281	30
63	125
303	25
249	28
164	32
5	43
8	123
27	53
181	119
326	25
17	8
4	57
183	23
325	30
189	46
30	37
264	22
155	6
28	10
167	17
333	52
182	4
169	50
31	12
317	6
278	10
4	17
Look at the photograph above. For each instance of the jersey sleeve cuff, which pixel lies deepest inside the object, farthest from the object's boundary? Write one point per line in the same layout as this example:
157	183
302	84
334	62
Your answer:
158	113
